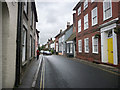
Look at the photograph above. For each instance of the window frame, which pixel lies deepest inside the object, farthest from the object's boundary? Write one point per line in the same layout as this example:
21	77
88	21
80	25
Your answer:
67	47
93	46
79	10
24	44
79	25
26	7
80	46
105	18
30	52
85	47
85	4
71	48
92	12
86	22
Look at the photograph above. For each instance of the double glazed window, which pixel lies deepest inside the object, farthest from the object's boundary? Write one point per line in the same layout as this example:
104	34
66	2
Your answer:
107	9
80	45
85	21
79	25
86	45
94	16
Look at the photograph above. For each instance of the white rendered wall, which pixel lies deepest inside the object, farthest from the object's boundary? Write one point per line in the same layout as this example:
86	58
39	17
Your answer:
9	32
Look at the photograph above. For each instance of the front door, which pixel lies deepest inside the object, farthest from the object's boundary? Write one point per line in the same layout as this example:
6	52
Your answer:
110	50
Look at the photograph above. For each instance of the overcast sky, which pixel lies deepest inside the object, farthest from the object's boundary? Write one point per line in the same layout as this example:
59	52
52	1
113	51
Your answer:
53	15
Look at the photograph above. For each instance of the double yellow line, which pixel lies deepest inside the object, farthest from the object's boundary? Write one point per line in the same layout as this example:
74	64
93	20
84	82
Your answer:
42	79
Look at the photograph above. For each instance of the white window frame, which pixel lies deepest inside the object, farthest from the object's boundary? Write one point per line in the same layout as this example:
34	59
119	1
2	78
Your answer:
30	52
24	45
71	48
86	45
79	10
26	6
79	26
93	46
80	45
105	18
85	4
56	47
86	25
94	16
67	48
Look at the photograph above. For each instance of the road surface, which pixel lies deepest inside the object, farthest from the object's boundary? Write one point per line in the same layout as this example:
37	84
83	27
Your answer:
62	72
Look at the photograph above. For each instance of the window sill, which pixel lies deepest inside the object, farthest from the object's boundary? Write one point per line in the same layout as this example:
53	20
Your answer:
85	29
95	52
94	24
85	8
79	32
105	19
86	52
79	15
24	63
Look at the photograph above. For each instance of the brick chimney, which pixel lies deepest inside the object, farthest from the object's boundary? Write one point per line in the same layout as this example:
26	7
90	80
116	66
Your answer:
68	24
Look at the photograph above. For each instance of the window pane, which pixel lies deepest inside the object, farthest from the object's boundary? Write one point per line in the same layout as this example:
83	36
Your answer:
79	10
107	9
79	25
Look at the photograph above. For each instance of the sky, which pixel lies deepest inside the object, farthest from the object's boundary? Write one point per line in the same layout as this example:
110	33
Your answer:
53	15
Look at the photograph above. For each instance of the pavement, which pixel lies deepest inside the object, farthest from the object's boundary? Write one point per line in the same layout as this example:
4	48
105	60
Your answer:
108	68
31	74
29	78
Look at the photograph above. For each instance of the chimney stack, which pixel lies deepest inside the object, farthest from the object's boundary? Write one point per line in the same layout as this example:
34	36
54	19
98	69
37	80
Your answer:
68	24
60	30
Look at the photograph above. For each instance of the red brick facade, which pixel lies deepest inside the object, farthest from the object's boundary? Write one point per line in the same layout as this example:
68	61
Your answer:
56	42
93	30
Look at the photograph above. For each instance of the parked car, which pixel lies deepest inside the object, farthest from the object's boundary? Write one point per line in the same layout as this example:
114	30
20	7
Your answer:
47	53
41	51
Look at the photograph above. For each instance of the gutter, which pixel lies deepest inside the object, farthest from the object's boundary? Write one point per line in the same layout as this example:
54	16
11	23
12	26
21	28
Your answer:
18	46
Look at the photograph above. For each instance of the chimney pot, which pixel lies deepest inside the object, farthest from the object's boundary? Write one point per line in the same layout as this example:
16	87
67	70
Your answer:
68	24
60	30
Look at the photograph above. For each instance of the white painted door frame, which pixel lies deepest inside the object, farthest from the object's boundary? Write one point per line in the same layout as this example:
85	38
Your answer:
104	36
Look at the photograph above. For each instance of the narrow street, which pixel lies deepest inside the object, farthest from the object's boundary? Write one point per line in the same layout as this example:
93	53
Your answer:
62	72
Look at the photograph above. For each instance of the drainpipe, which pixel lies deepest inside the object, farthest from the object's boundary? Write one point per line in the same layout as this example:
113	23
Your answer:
18	47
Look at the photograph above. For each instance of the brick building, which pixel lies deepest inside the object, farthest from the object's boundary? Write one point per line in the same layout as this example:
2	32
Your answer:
96	39
57	42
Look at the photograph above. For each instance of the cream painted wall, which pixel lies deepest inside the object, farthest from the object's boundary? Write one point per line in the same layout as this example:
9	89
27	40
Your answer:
9	44
0	45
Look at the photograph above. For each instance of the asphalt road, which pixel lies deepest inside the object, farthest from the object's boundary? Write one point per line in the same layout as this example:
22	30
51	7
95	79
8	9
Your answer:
61	72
